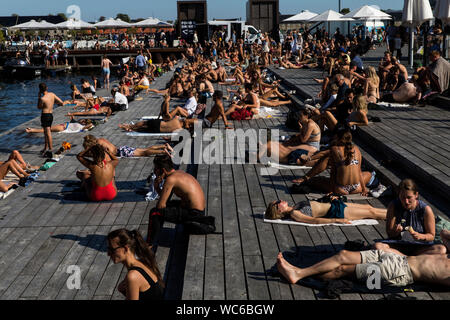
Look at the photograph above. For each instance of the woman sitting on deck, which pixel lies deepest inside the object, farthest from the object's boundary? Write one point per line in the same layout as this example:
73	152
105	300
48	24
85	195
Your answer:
347	177
98	181
298	147
408	212
314	212
143	280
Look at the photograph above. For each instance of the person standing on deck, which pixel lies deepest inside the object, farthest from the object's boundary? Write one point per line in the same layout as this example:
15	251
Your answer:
45	103
106	63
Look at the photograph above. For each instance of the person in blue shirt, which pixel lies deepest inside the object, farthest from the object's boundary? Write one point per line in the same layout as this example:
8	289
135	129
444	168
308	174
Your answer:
140	62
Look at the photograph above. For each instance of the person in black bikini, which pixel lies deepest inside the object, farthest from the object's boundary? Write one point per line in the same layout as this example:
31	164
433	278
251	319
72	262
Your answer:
143	280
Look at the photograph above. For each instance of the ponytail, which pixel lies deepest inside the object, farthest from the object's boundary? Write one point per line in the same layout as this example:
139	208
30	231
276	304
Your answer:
133	239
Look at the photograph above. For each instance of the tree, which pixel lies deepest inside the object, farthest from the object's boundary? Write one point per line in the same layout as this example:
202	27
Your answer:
345	11
63	15
102	18
14	15
123	17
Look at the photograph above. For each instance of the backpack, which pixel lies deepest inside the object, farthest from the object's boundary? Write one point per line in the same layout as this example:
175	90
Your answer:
292	120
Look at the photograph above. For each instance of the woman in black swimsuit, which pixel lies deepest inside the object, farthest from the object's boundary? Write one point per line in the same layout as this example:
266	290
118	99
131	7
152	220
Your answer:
143	280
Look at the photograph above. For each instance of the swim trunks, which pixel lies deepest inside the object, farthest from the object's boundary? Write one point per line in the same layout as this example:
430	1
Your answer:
106	71
206	123
153	126
125	152
295	155
394	269
96	106
46	120
336	210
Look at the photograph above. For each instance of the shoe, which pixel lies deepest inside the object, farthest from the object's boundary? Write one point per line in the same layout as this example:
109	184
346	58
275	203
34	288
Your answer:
378	191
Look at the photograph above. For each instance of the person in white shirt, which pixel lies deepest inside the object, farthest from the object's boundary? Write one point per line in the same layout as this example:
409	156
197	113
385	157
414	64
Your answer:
189	108
120	101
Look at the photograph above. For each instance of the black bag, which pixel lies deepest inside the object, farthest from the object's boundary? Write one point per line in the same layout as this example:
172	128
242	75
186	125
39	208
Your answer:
201	225
292	120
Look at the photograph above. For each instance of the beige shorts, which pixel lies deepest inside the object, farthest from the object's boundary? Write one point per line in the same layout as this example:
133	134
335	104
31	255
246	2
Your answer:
394	268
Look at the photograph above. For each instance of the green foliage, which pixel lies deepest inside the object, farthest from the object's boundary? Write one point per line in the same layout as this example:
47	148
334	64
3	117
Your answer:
123	17
63	15
345	11
102	18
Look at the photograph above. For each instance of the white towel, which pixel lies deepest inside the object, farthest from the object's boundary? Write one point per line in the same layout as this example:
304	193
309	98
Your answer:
144	134
367	222
152	194
286	166
315	196
393	105
3	195
149	117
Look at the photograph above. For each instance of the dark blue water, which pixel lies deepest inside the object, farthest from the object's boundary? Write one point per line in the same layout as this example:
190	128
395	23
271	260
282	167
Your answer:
18	98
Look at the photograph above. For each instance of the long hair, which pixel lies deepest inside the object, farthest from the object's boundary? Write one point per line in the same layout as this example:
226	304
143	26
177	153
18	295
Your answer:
89	141
345	139
360	103
133	240
98	153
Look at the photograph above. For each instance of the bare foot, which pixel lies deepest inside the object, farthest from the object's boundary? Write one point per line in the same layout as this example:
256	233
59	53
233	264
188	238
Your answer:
300	180
288	271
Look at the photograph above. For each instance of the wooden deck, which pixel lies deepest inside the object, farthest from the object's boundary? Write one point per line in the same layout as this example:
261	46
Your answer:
43	229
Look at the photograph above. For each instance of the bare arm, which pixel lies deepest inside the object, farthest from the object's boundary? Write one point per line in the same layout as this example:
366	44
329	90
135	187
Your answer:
165	194
430	228
393	230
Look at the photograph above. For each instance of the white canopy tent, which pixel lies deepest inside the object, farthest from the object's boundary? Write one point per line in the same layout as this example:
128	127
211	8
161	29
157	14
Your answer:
74	24
113	23
150	22
304	15
415	12
30	25
44	25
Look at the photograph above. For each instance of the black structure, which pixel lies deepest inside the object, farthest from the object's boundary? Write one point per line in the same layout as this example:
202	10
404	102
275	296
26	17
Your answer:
264	15
192	16
11	21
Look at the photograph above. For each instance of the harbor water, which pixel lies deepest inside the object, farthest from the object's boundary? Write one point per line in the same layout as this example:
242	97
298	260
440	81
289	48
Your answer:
18	98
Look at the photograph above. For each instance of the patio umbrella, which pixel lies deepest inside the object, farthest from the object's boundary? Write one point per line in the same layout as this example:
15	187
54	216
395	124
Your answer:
416	12
329	16
74	24
30	25
304	15
367	13
442	12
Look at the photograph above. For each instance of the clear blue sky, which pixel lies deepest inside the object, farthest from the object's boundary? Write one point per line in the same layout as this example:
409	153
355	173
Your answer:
91	10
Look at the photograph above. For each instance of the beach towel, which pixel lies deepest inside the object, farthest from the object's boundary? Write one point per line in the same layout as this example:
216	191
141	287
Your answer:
362	222
144	134
265	112
286	166
4	195
393	105
315	196
149	117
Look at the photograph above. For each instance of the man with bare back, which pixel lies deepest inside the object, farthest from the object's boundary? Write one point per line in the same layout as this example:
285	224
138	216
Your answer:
190	211
395	270
45	103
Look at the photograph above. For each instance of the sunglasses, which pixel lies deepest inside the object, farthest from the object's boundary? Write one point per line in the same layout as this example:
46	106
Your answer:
113	250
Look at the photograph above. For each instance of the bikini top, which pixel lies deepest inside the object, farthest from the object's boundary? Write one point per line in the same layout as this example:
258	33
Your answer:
155	291
353	162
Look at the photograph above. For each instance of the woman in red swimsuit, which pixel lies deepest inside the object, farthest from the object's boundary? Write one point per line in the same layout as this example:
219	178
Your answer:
98	181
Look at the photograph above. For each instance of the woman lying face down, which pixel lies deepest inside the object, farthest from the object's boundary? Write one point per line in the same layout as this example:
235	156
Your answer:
315	212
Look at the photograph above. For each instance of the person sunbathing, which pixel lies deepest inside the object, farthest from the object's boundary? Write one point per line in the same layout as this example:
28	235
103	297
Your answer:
395	270
407	92
155	126
94	107
298	147
357	117
69	127
16	165
314	212
126	151
409	212
251	102
98	181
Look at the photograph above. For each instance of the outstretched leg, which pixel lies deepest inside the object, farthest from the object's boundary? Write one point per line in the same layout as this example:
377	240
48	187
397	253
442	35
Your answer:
294	274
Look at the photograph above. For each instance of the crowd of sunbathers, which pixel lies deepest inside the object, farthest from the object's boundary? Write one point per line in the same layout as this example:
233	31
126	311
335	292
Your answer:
345	95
